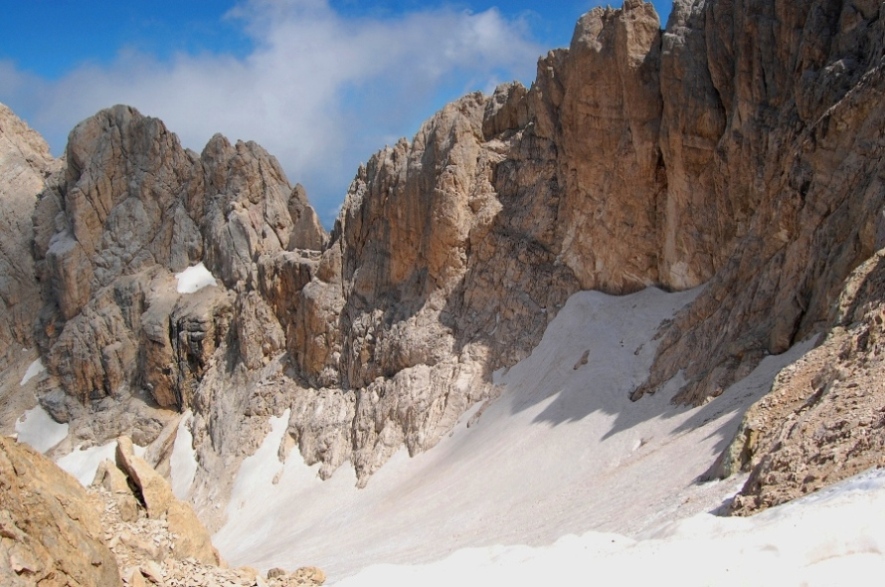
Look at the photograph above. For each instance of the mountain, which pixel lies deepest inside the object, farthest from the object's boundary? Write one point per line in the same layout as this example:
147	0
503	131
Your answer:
732	158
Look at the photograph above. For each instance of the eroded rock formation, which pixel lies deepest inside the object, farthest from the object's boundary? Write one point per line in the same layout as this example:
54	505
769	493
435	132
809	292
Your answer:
127	528
25	165
824	419
738	148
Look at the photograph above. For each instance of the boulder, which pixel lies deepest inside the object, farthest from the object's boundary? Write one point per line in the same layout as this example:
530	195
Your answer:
155	494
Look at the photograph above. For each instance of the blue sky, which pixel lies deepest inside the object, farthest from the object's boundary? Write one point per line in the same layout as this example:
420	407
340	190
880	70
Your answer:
321	84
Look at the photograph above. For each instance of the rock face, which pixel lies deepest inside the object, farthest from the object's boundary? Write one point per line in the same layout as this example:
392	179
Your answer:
739	148
795	184
824	419
133	209
50	533
25	165
53	532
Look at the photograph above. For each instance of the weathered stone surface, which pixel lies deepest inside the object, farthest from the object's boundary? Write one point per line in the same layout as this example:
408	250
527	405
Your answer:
798	179
739	148
191	538
133	209
50	533
25	165
823	419
611	169
115	482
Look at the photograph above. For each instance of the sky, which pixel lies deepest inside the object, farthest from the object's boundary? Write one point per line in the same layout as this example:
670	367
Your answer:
321	84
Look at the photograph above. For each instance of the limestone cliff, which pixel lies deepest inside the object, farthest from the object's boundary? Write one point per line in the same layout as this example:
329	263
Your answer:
738	148
25	165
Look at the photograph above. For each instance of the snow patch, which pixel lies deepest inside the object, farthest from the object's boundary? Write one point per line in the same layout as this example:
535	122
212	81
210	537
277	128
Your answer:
259	469
183	462
37	428
194	279
82	463
34	369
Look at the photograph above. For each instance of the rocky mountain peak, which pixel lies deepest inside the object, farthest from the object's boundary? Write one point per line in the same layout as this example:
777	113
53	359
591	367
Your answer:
737	149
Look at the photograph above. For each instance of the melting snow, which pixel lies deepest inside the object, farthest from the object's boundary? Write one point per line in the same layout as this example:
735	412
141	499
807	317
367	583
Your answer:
836	538
183	462
38	429
82	463
34	369
194	279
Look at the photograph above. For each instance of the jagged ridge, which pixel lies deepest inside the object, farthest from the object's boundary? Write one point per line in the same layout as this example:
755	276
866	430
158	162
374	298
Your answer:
738	148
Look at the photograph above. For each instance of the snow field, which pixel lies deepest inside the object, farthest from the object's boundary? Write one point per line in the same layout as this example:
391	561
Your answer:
183	462
562	452
836	538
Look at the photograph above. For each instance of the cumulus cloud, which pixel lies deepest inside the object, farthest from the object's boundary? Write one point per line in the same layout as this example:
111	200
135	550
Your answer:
318	90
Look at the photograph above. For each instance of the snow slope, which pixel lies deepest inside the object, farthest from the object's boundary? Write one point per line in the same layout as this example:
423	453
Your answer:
562	451
183	462
833	538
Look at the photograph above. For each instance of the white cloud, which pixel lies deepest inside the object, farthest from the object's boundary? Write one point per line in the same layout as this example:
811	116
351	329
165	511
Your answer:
319	91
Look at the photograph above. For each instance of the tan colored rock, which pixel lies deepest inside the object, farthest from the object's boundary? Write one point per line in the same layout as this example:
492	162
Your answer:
740	148
114	481
134	208
797	185
50	532
153	572
612	172
309	576
823	420
25	166
136	579
192	539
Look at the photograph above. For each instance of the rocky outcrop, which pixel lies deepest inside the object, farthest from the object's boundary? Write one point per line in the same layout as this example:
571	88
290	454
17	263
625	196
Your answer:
25	165
50	532
127	528
737	149
823	419
134	208
154	492
795	179
154	544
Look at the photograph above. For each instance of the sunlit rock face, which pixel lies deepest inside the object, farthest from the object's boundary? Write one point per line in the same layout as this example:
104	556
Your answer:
738	148
52	533
25	165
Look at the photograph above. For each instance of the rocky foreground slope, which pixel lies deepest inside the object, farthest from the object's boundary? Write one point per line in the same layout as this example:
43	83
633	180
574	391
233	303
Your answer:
126	528
739	148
